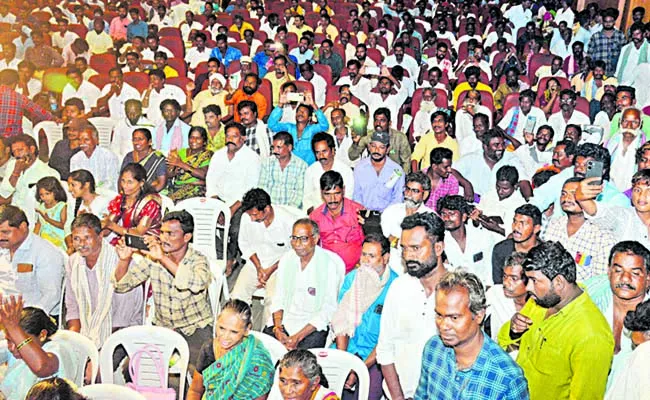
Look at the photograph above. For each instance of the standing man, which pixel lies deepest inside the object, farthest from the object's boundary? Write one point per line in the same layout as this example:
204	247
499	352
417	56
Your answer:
462	360
282	176
15	105
606	45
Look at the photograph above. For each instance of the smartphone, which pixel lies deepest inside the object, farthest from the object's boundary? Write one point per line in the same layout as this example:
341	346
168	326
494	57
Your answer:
594	170
136	242
297	97
373	71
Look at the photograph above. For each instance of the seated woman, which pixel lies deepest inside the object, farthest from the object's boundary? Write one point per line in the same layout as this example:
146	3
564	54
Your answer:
53	388
187	167
33	355
137	209
81	185
153	161
233	365
549	96
301	378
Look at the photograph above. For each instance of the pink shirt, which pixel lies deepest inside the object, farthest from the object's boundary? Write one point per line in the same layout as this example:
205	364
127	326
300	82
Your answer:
117	29
446	187
342	235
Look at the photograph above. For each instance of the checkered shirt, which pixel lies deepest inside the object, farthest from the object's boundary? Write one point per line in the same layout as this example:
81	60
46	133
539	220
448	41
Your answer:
12	108
607	49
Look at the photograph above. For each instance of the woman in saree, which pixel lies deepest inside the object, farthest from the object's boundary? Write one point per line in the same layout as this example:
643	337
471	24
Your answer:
301	377
137	209
187	167
234	365
153	161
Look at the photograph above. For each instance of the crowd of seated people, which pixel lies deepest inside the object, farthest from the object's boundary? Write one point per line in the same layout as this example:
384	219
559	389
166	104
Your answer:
455	193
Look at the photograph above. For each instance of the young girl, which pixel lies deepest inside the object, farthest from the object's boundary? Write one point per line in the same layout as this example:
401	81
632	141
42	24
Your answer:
52	211
81	185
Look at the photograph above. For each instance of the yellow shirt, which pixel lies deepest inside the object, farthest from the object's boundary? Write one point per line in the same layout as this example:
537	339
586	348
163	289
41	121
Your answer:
244	26
299	31
331	32
463	87
203	99
427	143
99	44
567	355
276	84
170	72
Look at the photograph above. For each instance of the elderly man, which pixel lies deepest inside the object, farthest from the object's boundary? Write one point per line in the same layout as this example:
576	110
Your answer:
619	292
422	119
623	145
472	106
172	133
338	220
93	308
29	265
101	162
121	143
561	317
179	277
309	279
213	95
282	176
357	319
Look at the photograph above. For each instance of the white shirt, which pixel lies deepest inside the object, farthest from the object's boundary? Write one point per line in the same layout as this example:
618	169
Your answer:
465	121
602	119
303	308
102	163
231	179
87	92
391	220
8	18
493	207
408	321
492	38
499	308
342	149
408	63
123	135
623	162
364	85
634	380
13	64
320	88
564	15
116	102
193	57
62	41
186	29
422	122
518	16
311	191
23	192
536	114
374	101
473	167
147	54
477	257
467	38
34	86
469	145
632	63
533	159
559	125
167	92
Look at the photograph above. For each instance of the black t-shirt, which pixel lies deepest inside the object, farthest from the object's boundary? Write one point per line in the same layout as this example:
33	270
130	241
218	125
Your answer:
502	250
206	356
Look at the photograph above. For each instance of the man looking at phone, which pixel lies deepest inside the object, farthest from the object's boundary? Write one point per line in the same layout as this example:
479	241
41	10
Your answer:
179	277
518	119
623	147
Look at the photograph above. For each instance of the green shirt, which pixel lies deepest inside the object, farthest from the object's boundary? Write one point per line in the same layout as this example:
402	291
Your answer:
616	120
567	355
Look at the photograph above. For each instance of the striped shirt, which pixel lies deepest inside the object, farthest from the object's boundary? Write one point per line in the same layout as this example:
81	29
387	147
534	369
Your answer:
285	186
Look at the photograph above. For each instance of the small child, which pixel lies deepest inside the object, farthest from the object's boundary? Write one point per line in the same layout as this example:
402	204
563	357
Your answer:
52	211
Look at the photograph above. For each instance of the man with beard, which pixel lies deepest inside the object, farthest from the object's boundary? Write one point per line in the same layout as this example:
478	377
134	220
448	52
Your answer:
606	45
511	85
623	147
324	149
565	344
179	277
248	92
213	95
409	316
584	240
258	135
466	246
123	132
620	291
536	152
524	116
568	113
378	180
338	220
224	53
402	59
464	120
93	308
352	111
390	94
497	208
328	57
463	349
422	119
282	176
358	317
441	60
480	168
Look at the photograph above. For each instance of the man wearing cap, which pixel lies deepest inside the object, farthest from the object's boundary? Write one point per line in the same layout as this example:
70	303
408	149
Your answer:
214	94
378	180
248	92
246	68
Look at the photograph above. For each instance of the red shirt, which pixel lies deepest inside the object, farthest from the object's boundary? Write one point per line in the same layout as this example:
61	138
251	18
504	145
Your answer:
13	106
343	235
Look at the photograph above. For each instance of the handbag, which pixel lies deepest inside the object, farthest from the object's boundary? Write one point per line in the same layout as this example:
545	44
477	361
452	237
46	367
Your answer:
151	393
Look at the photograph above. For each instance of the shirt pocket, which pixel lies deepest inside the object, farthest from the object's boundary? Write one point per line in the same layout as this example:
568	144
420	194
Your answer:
25	276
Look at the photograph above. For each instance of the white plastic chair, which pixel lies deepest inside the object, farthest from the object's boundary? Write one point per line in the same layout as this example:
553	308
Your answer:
104	127
218	289
134	338
274	347
206	212
53	131
167	204
336	365
84	350
108	391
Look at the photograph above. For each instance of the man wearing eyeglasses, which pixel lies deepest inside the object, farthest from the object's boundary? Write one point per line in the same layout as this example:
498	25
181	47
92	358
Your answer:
308	282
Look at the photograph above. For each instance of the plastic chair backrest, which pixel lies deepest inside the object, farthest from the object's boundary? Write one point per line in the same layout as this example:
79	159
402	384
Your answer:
84	349
336	365
53	131
275	348
169	31
104	127
100	80
218	288
536	61
134	338
167	204
109	391
179	65
206	212
325	71
511	100
175	45
102	63
139	80
305	86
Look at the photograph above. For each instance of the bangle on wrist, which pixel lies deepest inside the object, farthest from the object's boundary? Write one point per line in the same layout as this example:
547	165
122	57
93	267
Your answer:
24	343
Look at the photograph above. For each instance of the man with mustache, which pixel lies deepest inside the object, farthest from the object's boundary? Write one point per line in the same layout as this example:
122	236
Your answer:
101	162
179	276
565	344
123	132
99	310
248	92
624	287
568	113
408	319
283	175
213	95
623	147
338	220
585	241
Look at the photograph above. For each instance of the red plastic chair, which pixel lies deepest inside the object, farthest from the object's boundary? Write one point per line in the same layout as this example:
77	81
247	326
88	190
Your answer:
139	80
241	46
511	100
333	95
179	65
541	86
174	44
522	78
80	30
325	71
537	61
102	63
582	105
181	82
486	99
646	110
100	80
374	55
169	31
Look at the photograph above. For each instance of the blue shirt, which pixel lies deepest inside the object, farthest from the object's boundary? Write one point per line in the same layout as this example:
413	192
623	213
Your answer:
366	335
139	29
376	192
232	54
261	59
494	375
302	145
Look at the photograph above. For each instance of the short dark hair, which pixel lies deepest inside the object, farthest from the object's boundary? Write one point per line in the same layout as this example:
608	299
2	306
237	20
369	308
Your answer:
569	147
13	215
631	247
440	153
236	125
508	173
641	176
492	133
569	92
627	89
8	77
419	177
598	153
173	102
439	113
517	258
286	138
330	180
322	137
531	211
87	220
639	319
28	140
75	102
255	198
551	259
541	177
431	223
453	203
157	73
247	103
376	237
528	93
382	111
213	108
183	217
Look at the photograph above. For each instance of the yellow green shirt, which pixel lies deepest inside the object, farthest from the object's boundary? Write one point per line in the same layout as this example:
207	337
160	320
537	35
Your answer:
567	355
217	141
276	84
427	143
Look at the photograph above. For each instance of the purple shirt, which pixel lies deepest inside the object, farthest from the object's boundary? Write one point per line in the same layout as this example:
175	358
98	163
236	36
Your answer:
446	187
376	192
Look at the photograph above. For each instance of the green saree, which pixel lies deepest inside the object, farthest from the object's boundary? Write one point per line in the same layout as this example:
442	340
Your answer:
184	185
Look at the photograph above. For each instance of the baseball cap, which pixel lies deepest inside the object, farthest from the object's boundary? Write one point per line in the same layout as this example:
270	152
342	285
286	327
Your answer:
381	137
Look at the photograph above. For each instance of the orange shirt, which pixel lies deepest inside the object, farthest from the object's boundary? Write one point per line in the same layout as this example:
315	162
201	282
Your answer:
256	98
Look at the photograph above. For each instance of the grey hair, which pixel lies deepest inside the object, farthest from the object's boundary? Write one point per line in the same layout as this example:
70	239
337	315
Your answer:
307	221
471	283
305	360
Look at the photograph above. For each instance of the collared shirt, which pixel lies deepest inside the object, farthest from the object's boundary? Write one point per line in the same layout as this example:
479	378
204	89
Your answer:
533	159
231	179
494	375
240	96
193	56
259	138
35	272
102	163
276	84
567	355
148	54
623	222
60	41
634	380
536	116
123	135
44	57
23	195
320	88
559	124
500	309
366	334
99	43
87	92
343	148
374	100
474	168
477	257
302	144
13	107
232	54
203	99
304	308
399	150
343	235
181	301
312	196
391	220
492	206
285	186
60	158
116	102
335	62
408	321
518	16
427	143
447	186
34	86
136	29
378	191
607	49
155	98
118	27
